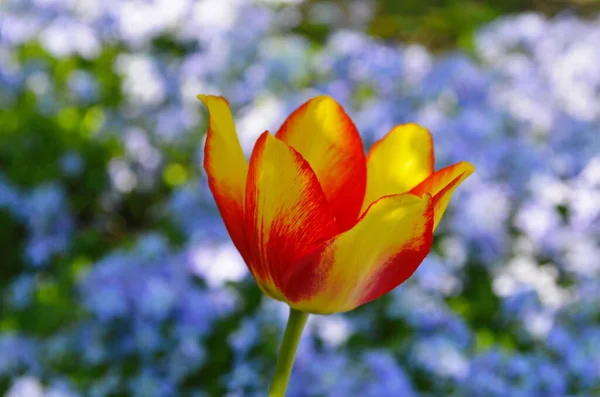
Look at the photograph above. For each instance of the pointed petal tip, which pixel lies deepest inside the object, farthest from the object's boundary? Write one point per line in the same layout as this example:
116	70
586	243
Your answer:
265	139
462	170
442	184
469	167
203	98
206	98
266	134
462	167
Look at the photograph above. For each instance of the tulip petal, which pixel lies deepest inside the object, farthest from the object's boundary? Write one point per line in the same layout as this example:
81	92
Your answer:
380	252
441	184
321	131
226	167
398	162
286	212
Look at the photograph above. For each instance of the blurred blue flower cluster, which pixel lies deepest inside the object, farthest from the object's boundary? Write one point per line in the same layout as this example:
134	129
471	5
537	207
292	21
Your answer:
120	278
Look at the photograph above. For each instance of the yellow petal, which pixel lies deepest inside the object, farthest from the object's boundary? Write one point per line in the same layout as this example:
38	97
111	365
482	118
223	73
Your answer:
398	162
226	167
321	131
441	184
286	212
380	252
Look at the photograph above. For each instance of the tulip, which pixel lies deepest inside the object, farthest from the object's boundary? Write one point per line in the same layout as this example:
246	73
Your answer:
320	226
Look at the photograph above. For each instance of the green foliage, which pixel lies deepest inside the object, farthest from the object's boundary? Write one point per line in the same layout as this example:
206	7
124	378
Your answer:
439	24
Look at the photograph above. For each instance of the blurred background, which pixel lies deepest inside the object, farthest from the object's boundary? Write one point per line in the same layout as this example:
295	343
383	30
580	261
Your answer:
117	277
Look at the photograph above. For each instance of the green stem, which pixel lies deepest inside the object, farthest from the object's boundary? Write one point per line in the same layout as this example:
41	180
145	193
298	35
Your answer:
287	352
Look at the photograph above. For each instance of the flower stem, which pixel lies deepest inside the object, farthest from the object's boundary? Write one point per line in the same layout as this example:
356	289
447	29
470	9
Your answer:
287	352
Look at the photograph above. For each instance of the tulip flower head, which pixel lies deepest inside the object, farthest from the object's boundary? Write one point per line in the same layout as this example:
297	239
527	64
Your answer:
320	225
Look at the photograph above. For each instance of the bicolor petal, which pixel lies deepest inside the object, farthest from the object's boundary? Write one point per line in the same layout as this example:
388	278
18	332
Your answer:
441	184
226	167
380	252
286	212
321	131
398	162
320	227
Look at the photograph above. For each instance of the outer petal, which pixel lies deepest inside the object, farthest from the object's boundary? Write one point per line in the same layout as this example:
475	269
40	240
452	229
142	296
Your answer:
325	136
441	185
287	213
226	167
398	162
384	248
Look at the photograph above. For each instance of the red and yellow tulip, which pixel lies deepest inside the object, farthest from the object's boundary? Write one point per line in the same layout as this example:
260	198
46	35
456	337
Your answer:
320	225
